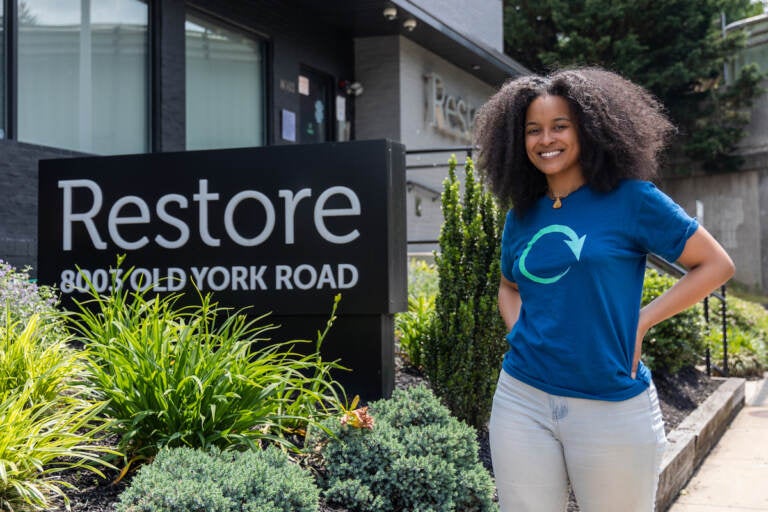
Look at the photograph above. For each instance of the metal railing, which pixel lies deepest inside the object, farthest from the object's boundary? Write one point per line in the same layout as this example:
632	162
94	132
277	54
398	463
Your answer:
436	194
678	272
653	260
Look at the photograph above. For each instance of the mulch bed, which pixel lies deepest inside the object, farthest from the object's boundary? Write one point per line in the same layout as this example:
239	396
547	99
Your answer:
678	395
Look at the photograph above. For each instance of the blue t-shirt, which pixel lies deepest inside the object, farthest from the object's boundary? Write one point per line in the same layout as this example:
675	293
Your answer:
580	270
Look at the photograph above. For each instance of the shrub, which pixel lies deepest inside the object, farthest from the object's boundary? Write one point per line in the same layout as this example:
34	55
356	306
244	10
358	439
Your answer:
463	354
190	480
49	422
413	326
416	457
747	332
198	376
678	341
21	297
422	278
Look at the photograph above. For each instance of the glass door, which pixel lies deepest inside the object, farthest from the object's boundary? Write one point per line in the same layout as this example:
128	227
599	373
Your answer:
315	107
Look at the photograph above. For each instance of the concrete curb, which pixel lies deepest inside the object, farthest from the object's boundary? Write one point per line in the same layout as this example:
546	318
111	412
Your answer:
692	440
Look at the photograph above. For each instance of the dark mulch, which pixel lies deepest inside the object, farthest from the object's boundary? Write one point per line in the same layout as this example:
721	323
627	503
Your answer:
678	395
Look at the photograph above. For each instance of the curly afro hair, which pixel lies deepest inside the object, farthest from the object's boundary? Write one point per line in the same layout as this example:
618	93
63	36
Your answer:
621	127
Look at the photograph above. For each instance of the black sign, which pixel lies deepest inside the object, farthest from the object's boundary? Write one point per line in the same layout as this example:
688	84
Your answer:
280	229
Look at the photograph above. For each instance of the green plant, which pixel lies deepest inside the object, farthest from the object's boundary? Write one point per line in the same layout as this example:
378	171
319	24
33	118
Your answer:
413	326
462	356
199	375
422	278
22	297
416	456
747	333
678	341
189	480
50	421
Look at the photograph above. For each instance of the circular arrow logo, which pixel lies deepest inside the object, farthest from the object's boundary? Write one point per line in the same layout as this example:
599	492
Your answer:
574	243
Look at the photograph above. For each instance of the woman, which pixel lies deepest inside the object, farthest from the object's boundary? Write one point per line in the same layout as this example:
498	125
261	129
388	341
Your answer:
575	152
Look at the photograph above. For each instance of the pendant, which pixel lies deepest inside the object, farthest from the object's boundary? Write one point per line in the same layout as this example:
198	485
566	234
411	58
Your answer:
557	204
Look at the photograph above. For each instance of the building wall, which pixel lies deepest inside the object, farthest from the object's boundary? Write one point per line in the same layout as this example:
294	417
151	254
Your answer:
377	67
18	209
732	207
397	104
478	19
419	131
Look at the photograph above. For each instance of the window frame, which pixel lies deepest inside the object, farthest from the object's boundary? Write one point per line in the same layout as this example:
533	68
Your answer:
265	43
11	75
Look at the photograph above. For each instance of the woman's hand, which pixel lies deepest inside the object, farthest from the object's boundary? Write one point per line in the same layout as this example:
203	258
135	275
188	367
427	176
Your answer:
509	302
642	329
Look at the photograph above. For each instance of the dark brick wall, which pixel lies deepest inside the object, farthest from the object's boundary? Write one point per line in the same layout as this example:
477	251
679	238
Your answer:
18	209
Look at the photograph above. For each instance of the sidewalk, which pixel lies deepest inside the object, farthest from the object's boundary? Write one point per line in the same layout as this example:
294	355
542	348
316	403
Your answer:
734	476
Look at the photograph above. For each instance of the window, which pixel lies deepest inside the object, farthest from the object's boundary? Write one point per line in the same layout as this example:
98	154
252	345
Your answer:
225	92
82	74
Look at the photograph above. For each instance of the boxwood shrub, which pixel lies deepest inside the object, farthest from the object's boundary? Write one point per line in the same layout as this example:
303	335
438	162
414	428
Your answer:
678	341
416	457
747	331
190	480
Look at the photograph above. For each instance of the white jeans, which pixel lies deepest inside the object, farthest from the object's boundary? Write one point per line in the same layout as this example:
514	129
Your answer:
610	451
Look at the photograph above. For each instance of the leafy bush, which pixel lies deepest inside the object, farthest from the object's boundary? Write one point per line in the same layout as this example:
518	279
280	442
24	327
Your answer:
678	341
463	354
422	278
414	325
190	480
415	457
747	332
21	298
49	421
198	376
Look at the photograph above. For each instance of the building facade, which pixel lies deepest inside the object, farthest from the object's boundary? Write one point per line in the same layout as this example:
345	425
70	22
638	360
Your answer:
100	77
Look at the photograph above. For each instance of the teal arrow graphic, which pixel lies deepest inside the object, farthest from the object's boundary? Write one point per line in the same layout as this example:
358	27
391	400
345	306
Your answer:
574	243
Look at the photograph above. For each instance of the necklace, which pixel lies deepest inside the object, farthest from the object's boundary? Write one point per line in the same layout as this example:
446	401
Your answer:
558	198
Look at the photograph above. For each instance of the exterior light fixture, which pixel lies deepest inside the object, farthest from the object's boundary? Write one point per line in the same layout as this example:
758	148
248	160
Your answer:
390	13
409	24
351	88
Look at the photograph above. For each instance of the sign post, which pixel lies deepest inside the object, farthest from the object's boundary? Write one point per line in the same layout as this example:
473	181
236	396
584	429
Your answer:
278	229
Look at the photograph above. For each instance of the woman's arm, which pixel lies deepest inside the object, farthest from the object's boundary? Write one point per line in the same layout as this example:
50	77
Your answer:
509	302
709	266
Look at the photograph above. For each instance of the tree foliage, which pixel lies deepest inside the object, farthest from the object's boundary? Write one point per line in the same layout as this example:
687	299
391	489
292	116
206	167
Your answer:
462	356
674	48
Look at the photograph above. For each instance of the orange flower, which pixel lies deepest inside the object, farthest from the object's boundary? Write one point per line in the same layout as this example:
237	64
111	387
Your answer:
359	418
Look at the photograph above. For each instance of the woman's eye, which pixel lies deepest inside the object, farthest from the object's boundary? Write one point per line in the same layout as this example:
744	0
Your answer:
532	131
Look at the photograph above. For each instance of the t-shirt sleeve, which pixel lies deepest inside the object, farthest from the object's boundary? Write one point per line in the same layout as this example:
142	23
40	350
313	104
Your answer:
662	226
507	257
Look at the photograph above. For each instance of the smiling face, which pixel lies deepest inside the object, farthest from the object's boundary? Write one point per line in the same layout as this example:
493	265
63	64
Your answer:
552	140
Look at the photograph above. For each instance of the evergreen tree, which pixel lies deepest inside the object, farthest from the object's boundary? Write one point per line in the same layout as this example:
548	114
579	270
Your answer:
462	355
674	48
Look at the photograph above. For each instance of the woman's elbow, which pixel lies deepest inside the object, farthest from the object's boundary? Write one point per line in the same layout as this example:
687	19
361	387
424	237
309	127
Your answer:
721	268
728	268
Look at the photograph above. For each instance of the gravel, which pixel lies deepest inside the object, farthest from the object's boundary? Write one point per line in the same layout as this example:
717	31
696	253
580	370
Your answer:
678	395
